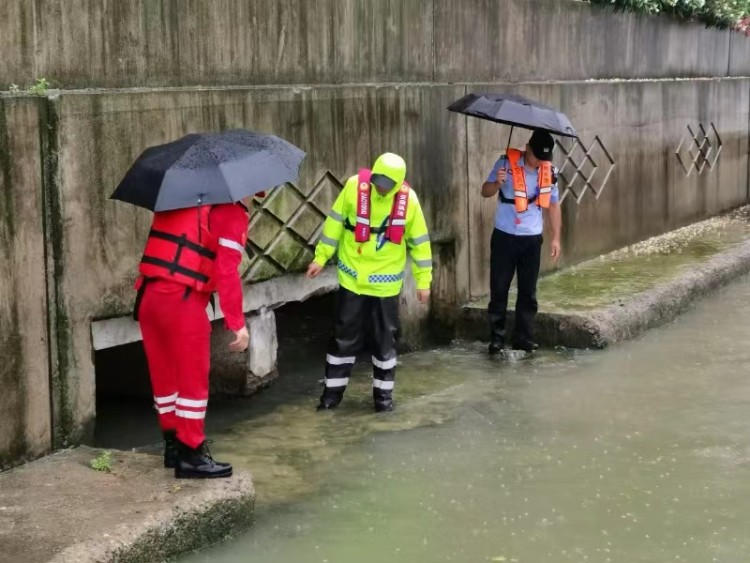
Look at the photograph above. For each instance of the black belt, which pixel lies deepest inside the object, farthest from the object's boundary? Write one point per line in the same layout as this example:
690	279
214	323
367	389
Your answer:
504	199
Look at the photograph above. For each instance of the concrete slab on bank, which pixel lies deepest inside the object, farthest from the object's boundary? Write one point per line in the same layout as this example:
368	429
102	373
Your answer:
58	509
619	296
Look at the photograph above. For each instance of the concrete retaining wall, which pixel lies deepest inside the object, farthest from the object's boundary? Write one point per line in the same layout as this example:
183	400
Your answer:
370	77
641	124
25	420
98	135
134	43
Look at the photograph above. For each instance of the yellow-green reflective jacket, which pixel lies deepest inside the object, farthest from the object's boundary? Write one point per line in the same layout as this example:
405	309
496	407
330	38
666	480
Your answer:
362	267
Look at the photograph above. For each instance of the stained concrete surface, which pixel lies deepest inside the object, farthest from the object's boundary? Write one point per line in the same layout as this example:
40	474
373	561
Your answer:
620	295
58	509
131	43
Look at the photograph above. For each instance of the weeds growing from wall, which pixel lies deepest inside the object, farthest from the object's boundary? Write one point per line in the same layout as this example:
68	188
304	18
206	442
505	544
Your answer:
722	14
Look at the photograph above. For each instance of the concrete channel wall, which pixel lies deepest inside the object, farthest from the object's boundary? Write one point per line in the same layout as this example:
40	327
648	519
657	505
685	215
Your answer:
345	80
156	43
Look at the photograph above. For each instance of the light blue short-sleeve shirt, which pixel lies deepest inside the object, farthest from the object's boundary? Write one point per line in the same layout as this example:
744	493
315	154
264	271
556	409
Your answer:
531	221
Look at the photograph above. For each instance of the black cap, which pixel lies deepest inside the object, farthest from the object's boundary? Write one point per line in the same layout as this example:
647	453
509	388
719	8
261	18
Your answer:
382	181
541	144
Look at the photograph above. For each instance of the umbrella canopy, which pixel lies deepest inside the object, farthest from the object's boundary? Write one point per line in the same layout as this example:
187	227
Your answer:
516	111
209	169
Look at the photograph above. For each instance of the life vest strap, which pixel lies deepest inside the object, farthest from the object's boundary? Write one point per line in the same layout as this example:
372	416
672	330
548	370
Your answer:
139	298
373	230
175	268
182	241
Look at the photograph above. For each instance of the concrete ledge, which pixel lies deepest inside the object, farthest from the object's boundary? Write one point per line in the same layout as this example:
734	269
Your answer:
108	333
627	319
59	510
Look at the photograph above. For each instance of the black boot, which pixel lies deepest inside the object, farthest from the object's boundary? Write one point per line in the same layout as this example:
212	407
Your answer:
383	400
329	400
171	454
198	464
495	347
497	334
385	405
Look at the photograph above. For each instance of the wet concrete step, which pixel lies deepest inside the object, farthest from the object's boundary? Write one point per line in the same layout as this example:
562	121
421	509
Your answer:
618	296
59	509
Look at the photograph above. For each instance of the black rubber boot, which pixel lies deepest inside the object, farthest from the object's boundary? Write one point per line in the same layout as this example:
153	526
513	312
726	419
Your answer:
497	334
495	347
171	454
330	400
385	406
383	400
198	464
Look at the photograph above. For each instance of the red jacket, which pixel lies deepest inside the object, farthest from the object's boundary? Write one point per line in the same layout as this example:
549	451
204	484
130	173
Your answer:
201	248
229	224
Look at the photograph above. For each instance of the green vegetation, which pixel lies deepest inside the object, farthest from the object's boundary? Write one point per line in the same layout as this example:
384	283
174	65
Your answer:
714	13
102	462
39	88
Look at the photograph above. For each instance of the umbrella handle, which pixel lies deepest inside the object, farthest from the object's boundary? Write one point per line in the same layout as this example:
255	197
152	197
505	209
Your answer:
509	138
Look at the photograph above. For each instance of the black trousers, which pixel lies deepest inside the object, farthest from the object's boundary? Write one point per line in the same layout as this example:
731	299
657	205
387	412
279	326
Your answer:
362	321
511	254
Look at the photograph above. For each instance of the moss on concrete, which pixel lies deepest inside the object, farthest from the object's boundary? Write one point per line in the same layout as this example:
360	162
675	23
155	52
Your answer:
12	374
618	276
6	199
620	295
137	513
64	430
190	531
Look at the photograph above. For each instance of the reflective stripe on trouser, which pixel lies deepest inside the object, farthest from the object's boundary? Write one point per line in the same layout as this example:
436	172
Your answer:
176	337
356	317
383	375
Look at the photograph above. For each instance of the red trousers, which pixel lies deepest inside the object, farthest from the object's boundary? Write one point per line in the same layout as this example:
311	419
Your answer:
176	337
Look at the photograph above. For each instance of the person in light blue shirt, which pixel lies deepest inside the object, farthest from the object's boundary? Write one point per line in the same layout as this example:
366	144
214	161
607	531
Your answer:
516	243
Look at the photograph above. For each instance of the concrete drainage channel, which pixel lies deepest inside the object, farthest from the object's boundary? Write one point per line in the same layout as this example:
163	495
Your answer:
59	509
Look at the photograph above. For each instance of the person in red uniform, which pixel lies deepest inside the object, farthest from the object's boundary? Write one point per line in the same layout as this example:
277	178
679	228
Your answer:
189	254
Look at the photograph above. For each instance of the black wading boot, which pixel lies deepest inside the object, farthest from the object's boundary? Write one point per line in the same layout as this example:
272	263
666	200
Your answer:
198	464
495	347
497	334
383	400
330	399
171	453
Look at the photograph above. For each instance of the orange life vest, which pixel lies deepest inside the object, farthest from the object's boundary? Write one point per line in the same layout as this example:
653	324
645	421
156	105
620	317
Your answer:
520	193
397	220
181	248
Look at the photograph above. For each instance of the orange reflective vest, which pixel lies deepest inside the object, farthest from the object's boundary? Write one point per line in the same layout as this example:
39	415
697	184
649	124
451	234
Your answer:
181	248
394	231
520	193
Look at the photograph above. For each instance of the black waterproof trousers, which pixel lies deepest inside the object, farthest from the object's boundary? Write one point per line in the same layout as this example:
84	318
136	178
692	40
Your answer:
362	321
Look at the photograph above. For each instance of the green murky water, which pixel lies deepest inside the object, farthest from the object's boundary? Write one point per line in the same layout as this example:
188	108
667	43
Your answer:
640	453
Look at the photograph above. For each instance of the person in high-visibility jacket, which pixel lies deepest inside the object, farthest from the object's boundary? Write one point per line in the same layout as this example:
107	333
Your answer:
374	221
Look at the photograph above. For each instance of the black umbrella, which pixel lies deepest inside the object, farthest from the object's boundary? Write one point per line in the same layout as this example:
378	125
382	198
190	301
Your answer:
208	169
515	111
